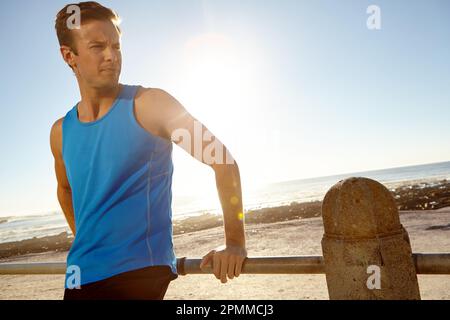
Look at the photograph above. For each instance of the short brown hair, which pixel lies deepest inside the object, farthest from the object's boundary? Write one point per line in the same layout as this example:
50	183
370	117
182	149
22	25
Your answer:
89	11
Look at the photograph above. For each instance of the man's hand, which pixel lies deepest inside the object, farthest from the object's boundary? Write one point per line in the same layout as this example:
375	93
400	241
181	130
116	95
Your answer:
226	261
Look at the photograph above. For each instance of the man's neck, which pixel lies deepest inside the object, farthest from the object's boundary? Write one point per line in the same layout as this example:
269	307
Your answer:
96	101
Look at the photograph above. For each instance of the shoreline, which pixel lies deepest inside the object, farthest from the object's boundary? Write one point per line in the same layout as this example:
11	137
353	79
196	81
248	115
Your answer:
419	197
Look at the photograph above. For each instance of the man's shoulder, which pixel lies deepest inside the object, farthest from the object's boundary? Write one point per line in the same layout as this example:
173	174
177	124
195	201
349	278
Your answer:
153	102
151	108
145	94
57	125
56	136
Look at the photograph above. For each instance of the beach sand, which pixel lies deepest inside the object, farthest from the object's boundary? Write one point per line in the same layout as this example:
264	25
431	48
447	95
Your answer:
428	231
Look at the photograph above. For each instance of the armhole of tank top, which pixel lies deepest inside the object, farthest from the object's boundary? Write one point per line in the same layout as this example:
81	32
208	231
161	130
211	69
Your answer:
62	136
132	114
64	123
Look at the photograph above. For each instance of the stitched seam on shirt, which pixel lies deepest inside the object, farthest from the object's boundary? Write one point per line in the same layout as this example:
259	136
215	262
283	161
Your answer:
148	207
162	174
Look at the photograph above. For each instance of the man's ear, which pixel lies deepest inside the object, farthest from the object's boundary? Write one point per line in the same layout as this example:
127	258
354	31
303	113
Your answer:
68	55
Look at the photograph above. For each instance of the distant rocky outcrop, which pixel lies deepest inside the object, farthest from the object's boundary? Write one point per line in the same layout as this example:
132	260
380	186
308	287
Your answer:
60	242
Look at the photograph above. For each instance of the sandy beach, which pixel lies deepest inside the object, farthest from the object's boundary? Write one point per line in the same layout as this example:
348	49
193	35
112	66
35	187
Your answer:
428	230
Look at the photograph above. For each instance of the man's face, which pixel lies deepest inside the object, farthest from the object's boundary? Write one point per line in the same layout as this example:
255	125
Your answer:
99	59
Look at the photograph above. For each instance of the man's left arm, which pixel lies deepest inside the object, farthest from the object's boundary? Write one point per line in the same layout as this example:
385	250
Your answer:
172	121
232	256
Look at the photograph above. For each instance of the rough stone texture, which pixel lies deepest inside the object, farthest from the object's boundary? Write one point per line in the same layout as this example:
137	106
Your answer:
362	228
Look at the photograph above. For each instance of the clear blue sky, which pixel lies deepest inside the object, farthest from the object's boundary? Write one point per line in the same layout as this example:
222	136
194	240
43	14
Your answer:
296	89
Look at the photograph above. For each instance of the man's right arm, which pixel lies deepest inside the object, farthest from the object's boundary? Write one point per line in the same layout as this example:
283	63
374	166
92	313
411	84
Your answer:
64	191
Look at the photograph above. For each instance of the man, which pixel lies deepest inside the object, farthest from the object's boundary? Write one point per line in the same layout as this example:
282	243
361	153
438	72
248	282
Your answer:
114	169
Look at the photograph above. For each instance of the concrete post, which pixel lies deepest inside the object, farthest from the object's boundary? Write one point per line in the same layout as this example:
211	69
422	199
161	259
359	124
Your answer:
366	250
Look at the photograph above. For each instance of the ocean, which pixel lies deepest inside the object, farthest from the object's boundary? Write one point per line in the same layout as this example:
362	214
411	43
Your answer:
15	228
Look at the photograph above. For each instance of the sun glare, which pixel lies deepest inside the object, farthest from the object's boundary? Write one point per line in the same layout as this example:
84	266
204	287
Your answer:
217	71
219	81
211	63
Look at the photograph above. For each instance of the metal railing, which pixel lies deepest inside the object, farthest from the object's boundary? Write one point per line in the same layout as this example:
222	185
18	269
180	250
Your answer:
425	263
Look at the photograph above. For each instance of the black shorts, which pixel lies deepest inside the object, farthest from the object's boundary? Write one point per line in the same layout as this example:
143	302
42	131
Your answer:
148	283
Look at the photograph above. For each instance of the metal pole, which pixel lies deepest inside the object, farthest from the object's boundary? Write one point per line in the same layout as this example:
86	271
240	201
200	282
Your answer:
432	263
262	265
425	263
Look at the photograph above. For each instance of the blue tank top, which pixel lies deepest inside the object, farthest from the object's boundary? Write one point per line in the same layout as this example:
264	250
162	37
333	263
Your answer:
121	177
